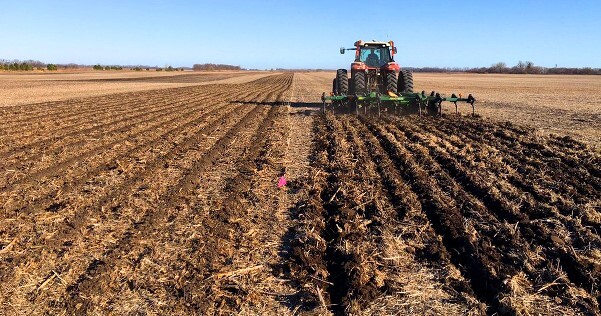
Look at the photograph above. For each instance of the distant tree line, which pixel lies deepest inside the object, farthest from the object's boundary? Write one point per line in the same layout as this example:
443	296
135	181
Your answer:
522	67
100	67
28	65
18	65
169	68
199	67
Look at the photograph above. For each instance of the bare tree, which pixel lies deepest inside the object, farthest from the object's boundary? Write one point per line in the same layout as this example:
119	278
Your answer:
499	67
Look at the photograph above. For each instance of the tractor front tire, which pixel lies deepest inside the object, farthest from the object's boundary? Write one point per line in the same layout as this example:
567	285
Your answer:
341	82
390	82
405	83
360	83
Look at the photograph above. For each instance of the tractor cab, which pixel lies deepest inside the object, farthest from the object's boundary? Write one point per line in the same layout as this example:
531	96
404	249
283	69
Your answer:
374	56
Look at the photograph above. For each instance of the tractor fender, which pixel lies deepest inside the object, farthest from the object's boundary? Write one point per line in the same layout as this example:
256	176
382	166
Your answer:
358	66
392	67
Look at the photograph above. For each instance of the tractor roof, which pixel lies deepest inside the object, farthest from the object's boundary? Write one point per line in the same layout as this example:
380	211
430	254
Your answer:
372	43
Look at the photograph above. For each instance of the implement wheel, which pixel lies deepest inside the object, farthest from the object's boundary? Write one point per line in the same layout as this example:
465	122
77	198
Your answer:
405	83
341	84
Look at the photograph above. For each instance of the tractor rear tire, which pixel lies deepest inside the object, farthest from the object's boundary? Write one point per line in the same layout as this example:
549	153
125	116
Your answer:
341	82
360	83
390	82
405	83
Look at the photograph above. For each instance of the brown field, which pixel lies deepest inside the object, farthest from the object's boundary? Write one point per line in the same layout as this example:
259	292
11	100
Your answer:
27	88
160	197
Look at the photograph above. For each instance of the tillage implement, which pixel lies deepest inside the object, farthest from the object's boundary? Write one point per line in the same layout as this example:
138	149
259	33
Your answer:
378	81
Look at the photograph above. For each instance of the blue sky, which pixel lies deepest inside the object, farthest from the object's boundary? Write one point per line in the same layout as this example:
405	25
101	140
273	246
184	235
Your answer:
301	34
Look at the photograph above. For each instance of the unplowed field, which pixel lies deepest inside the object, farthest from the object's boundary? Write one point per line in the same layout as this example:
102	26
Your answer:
166	202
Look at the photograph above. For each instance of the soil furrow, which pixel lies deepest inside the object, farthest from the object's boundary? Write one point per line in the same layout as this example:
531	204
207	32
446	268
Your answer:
87	107
525	147
99	127
104	118
33	150
499	205
229	223
173	199
408	211
134	130
106	204
205	124
447	221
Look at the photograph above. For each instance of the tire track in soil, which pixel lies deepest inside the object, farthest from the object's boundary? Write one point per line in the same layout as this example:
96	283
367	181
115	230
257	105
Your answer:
175	196
359	221
334	211
311	245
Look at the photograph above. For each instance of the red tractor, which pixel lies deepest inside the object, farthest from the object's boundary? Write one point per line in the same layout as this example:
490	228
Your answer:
374	70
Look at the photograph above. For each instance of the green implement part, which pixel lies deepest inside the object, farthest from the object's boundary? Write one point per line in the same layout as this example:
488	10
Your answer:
403	99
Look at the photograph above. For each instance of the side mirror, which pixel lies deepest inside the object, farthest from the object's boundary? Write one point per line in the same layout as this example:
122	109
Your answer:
394	50
342	50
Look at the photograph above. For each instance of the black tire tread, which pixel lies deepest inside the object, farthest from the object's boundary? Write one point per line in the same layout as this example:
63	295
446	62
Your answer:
390	82
341	82
360	83
405	82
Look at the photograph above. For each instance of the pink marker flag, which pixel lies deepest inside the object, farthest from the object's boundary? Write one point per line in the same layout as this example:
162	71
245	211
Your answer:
282	182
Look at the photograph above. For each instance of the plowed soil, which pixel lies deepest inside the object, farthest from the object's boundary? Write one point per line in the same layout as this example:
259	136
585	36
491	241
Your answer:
167	202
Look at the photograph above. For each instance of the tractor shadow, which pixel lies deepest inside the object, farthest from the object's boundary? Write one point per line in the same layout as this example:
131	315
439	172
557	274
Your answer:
297	108
305	109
